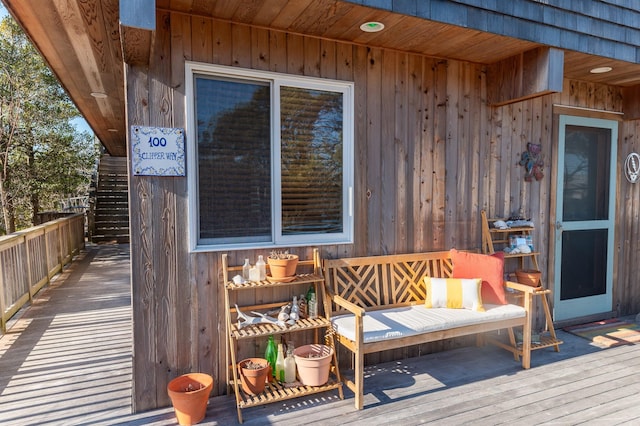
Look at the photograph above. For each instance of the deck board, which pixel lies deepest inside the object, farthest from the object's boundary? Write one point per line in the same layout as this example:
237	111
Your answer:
67	361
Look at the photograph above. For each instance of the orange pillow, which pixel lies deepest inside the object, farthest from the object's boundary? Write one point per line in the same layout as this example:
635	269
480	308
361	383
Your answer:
490	268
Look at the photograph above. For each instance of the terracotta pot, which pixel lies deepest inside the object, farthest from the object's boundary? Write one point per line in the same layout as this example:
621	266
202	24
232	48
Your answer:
283	268
530	277
253	381
313	363
189	395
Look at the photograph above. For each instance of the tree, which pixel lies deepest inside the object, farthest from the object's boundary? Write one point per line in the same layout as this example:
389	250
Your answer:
42	157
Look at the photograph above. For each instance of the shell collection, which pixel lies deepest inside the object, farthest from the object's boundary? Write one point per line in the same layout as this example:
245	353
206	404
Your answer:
287	315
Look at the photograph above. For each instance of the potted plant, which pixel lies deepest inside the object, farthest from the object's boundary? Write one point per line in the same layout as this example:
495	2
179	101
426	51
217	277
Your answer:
282	265
313	363
254	373
189	395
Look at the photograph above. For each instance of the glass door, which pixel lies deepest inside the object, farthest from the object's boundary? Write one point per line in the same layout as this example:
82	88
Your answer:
585	208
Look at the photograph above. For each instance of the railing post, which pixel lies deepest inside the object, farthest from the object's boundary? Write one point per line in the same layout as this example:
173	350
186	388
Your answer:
3	305
59	245
27	256
47	251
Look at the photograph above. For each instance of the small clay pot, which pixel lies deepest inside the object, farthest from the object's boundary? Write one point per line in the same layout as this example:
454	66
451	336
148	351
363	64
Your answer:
283	268
189	395
253	380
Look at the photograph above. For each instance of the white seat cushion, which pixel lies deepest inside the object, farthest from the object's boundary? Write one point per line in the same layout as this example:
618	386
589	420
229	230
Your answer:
406	321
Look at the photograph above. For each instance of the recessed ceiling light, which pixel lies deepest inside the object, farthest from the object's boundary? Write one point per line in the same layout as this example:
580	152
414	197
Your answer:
372	27
98	95
600	70
112	130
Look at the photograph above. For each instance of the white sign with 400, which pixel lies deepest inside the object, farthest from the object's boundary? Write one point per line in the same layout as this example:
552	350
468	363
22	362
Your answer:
157	151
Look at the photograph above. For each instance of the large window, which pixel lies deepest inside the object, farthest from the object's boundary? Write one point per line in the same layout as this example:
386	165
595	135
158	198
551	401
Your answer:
270	159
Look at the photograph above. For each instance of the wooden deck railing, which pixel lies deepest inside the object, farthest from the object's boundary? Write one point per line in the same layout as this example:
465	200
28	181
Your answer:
30	258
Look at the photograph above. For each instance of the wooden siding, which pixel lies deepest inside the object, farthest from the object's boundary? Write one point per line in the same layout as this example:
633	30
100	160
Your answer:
626	291
429	155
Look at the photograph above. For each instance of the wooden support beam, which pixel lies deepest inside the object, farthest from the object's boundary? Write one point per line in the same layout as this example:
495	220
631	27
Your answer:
137	23
136	45
528	75
631	102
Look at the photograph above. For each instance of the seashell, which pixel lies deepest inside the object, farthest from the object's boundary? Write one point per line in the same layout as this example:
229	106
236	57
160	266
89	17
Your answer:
283	316
523	248
500	224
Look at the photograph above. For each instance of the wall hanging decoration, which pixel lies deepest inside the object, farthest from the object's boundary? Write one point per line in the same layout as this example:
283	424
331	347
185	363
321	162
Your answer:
632	167
532	161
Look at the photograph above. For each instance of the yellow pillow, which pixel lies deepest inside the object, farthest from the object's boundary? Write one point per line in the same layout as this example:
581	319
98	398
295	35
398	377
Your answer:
457	293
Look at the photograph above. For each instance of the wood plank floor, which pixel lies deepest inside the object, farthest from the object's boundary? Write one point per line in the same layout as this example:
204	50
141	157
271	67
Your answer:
67	361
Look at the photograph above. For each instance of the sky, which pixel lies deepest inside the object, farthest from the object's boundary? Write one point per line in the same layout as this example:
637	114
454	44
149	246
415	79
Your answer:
79	123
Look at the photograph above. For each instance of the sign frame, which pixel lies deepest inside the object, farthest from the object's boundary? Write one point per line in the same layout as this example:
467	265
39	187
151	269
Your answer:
157	151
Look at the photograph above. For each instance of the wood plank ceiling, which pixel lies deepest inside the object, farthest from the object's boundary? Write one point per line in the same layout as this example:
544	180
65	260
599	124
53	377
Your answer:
80	39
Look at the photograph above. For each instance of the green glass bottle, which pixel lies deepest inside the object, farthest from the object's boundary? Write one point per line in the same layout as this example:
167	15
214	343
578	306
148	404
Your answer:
271	354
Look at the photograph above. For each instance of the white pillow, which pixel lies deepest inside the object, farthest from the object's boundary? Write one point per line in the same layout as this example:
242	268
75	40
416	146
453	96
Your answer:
456	293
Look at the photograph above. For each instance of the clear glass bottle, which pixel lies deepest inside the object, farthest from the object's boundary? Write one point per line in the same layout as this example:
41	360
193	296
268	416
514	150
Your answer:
245	269
262	268
280	364
312	303
289	365
271	354
295	309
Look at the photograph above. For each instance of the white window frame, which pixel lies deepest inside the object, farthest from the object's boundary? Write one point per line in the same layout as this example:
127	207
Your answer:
276	80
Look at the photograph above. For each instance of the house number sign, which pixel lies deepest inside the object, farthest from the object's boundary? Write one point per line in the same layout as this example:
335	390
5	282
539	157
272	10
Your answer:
157	151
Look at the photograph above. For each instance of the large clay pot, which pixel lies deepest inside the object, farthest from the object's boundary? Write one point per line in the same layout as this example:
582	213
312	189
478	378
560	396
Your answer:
283	268
313	363
253	380
189	395
530	277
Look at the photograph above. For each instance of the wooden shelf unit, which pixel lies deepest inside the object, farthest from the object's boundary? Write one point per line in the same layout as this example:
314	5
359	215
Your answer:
492	237
274	391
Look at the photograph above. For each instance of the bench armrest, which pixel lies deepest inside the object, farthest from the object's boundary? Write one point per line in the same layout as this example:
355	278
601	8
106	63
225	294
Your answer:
351	307
520	287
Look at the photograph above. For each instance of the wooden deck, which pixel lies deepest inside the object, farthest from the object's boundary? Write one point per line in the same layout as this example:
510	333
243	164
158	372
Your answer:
67	361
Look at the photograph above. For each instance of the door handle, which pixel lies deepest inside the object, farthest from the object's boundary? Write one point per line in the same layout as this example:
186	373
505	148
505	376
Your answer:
559	226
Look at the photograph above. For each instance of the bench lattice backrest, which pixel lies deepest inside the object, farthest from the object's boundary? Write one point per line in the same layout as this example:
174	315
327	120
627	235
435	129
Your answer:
384	280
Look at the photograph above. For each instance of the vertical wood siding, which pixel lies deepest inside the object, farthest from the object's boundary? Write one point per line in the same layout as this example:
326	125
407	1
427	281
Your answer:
429	155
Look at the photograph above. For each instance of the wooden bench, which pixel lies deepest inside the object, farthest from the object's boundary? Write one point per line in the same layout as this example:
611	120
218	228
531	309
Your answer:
373	303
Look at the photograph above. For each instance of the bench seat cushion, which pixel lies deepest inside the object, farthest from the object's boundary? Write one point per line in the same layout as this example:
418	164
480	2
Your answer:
406	321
